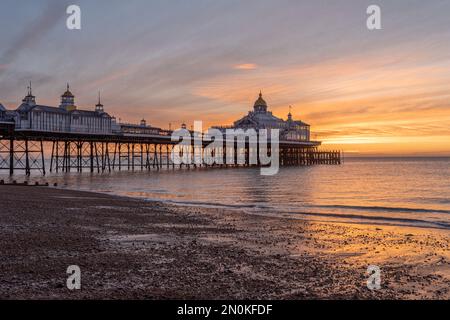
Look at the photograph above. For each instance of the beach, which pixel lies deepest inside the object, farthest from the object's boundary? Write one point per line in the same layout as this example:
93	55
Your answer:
133	249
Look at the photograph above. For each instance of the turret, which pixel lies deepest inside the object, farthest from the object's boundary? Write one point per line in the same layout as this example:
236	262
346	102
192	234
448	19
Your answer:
68	100
99	105
260	105
289	118
29	98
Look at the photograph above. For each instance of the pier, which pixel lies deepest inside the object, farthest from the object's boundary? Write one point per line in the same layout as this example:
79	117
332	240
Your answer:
29	151
43	138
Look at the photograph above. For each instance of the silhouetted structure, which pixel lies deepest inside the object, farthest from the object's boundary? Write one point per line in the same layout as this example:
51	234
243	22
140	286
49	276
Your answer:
93	139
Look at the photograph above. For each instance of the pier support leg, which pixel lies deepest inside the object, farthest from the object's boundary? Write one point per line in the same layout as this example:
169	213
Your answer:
27	159
91	156
11	156
52	157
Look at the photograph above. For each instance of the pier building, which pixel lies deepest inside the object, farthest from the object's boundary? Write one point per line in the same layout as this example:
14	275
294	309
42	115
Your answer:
261	118
68	118
94	140
135	129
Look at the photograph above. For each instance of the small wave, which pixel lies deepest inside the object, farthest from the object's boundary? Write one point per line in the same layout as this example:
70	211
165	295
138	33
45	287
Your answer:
250	208
211	204
381	208
404	221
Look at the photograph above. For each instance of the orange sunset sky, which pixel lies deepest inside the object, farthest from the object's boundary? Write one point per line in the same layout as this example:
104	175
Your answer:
382	92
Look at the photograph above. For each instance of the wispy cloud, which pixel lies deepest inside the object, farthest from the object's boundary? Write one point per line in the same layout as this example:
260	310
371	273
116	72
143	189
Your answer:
34	32
245	66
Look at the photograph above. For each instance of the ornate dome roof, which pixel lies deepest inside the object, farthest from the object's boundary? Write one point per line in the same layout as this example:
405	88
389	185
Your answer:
260	101
68	93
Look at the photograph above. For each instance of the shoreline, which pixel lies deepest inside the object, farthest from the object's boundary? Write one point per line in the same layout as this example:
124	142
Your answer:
345	219
130	248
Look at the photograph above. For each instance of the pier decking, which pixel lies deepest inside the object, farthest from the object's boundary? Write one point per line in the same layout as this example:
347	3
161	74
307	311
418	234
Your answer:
26	151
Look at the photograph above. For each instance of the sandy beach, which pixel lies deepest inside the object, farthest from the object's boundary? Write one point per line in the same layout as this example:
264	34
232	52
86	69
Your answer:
133	249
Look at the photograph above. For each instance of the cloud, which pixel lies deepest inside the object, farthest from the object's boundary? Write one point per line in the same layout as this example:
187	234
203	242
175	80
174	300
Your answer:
245	66
34	32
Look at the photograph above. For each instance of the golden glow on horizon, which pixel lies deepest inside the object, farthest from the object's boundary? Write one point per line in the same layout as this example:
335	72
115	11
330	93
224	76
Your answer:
380	104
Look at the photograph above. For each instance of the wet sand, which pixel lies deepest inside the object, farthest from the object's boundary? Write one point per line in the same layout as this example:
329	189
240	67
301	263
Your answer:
132	249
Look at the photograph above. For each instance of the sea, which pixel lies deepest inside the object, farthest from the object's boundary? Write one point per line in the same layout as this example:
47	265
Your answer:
383	191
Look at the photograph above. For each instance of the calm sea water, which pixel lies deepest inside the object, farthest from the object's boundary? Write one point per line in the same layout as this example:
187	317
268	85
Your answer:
413	192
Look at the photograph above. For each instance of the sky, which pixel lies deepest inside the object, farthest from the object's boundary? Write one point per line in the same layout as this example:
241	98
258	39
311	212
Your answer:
367	92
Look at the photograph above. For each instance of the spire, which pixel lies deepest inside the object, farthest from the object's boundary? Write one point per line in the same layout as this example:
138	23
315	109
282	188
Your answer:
99	105
68	87
290	114
29	98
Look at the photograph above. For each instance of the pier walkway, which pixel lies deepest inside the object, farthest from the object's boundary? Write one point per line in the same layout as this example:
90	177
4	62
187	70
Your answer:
28	150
